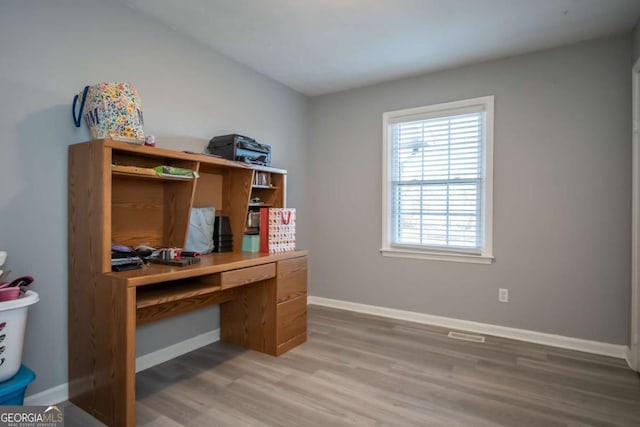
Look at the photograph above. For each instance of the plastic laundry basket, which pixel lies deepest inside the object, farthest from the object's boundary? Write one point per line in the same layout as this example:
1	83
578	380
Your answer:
13	320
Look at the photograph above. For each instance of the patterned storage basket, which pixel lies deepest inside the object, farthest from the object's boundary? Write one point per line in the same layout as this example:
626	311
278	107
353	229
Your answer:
111	110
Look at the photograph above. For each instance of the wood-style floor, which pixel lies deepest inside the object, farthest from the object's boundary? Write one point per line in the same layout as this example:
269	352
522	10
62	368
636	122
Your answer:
360	370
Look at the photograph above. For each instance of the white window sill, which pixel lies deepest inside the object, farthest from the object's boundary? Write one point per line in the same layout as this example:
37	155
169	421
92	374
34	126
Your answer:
436	256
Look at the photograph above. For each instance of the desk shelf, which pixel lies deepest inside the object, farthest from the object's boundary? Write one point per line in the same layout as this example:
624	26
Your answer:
149	296
167	300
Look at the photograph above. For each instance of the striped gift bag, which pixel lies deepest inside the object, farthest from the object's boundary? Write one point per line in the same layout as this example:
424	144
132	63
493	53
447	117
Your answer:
277	230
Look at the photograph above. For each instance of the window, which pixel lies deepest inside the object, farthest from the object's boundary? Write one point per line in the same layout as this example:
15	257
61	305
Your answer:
437	181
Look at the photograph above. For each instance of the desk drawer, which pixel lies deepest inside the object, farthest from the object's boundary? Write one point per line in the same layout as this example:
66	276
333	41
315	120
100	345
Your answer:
291	319
233	278
292	278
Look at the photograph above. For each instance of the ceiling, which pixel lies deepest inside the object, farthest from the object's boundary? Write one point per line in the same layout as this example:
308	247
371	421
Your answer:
322	46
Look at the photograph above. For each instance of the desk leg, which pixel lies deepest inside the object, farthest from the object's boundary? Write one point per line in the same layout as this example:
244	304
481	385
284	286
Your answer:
125	405
116	387
250	319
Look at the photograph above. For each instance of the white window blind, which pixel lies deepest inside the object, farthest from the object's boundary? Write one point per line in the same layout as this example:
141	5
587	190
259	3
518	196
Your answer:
437	179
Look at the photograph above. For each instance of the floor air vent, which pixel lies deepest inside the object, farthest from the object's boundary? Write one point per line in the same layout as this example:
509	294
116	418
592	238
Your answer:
466	337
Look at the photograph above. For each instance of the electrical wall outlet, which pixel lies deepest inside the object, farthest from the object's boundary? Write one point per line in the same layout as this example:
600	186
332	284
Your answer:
503	295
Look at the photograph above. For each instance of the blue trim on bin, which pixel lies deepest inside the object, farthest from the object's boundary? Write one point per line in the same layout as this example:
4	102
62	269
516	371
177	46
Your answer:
12	391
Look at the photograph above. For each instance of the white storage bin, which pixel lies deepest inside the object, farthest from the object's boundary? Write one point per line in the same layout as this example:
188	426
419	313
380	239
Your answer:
13	320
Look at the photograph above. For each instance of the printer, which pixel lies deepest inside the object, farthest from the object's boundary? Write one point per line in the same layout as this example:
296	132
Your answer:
240	148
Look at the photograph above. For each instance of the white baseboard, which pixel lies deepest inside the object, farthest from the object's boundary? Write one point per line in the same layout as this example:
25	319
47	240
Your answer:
160	356
60	393
51	396
628	357
594	347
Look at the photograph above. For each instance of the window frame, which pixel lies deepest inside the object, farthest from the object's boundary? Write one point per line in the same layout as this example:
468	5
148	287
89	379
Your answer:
485	255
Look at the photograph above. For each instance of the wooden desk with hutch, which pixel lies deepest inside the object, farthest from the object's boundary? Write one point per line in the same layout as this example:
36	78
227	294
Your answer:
262	297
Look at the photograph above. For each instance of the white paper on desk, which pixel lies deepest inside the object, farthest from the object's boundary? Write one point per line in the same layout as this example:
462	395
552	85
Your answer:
200	237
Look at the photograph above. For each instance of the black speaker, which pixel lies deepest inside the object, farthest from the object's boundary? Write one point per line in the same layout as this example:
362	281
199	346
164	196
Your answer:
222	237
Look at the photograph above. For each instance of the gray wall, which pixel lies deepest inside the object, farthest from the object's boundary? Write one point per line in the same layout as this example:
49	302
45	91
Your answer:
562	171
561	195
636	41
49	51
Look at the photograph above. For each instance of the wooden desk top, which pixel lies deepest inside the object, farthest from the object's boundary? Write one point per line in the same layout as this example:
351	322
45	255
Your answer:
211	263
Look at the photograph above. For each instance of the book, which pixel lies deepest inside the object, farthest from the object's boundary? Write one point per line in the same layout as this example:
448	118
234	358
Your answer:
172	171
130	260
180	262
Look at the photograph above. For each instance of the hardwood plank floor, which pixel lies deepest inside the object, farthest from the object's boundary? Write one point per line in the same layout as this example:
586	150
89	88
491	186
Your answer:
361	370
